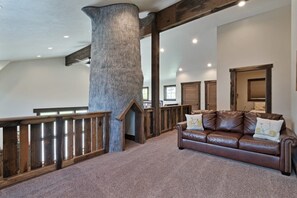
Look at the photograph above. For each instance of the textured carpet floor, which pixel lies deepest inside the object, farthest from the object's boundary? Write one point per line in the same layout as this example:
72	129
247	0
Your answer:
158	169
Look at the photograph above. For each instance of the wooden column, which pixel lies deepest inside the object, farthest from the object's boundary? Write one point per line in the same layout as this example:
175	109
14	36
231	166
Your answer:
156	77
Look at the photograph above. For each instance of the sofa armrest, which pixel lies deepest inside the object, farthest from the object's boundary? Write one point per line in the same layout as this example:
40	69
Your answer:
181	126
287	135
288	139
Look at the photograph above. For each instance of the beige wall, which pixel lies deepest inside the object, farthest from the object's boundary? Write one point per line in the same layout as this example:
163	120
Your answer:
262	39
242	91
293	64
42	83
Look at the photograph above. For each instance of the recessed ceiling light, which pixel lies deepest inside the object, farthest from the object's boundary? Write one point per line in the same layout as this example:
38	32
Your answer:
195	41
209	65
50	48
241	3
162	50
1	6
38	56
66	36
180	69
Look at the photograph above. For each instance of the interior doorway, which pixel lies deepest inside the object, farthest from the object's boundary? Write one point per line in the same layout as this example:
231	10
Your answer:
191	94
251	88
210	95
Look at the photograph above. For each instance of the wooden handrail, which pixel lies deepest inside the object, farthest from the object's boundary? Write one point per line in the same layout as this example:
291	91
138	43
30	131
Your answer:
50	142
59	109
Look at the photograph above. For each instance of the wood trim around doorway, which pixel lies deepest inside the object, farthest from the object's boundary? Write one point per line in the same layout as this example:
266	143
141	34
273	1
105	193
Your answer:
199	92
233	84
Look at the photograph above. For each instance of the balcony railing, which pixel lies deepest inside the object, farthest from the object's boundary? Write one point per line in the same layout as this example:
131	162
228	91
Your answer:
36	145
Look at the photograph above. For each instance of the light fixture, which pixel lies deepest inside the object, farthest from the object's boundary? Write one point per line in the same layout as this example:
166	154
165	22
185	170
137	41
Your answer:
162	50
38	56
66	36
209	65
241	3
195	41
1	6
50	48
180	69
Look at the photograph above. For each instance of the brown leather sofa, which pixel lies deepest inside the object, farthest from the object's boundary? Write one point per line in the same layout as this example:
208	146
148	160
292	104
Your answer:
230	134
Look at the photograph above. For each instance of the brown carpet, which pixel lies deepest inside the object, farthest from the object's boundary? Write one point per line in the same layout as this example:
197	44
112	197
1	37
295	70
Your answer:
158	169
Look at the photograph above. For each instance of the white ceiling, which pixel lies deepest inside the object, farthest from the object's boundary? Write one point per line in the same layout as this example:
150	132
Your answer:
29	27
177	42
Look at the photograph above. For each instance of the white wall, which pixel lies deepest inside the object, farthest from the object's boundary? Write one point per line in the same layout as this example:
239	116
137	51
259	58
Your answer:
41	83
257	40
294	64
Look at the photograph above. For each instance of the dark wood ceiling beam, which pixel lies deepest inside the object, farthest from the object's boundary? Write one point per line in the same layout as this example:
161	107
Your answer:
78	55
175	15
189	10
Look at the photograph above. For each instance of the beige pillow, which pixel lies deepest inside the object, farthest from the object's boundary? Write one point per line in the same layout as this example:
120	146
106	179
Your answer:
194	122
268	129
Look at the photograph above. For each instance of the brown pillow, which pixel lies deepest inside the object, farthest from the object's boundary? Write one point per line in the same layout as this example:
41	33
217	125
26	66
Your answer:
208	118
230	121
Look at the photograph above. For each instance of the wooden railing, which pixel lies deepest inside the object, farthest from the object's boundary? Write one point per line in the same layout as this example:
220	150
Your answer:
36	145
60	110
170	116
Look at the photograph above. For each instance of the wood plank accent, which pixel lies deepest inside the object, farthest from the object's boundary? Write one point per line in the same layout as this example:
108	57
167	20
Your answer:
24	148
70	135
87	135
156	78
10	151
107	124
78	137
48	137
60	134
36	146
172	16
99	133
94	133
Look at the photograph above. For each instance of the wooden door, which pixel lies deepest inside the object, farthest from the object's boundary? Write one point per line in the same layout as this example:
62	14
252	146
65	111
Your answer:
191	94
210	95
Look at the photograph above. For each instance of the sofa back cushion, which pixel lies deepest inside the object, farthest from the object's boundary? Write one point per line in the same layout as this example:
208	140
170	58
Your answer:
250	121
230	121
208	118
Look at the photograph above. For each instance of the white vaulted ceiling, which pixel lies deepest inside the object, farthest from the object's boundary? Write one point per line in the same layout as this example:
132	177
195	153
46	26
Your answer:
29	27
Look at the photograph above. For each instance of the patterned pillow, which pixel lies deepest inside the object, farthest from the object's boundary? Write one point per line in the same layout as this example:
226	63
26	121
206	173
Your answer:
268	129
194	122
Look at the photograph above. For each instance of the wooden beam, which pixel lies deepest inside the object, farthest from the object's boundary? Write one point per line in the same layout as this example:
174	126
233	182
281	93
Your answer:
172	16
189	10
155	82
78	55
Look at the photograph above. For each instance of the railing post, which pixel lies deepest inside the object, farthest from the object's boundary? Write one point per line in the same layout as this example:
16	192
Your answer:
107	121
59	142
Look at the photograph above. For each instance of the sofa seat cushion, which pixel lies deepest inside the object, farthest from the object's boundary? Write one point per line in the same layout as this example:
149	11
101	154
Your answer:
199	136
226	139
248	143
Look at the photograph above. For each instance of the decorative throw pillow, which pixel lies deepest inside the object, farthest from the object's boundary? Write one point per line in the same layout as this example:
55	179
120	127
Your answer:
268	129
194	122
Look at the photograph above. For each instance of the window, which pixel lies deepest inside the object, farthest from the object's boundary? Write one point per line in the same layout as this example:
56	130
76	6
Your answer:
256	89
145	93
170	92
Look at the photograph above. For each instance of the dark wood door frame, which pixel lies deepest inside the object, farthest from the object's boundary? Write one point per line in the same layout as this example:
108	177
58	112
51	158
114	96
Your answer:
233	84
199	95
205	90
